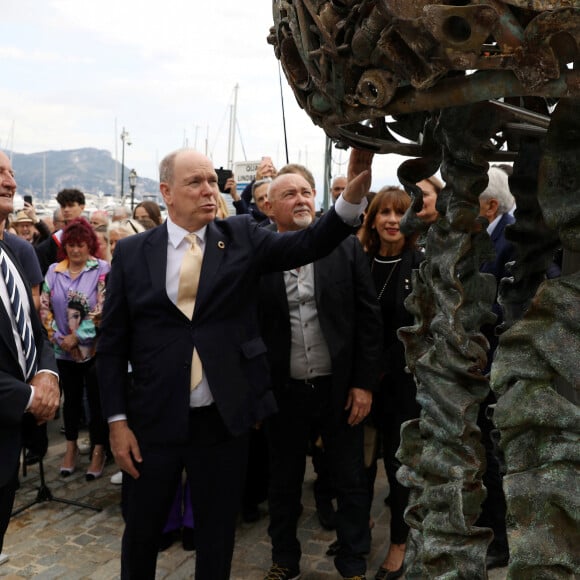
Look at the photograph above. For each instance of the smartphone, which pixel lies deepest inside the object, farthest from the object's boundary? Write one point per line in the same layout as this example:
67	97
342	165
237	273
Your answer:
223	176
27	199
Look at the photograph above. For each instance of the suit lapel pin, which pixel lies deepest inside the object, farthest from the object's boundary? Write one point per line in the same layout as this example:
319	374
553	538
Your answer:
221	245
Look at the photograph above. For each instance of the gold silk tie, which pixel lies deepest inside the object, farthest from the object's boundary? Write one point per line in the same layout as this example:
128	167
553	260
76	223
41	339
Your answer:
186	294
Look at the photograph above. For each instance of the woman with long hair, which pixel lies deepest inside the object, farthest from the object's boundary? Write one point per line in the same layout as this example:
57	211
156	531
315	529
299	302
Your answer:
148	210
70	307
392	257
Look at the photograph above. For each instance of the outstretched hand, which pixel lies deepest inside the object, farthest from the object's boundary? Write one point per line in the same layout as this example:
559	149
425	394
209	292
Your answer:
359	176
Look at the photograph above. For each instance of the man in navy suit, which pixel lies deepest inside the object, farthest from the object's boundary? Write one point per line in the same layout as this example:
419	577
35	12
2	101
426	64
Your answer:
322	327
495	204
157	424
40	395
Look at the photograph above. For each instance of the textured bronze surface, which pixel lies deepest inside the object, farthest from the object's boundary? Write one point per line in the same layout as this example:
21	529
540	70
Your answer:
458	84
540	429
443	459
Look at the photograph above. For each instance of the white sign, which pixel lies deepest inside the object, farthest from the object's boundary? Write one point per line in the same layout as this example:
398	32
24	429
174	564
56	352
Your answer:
245	172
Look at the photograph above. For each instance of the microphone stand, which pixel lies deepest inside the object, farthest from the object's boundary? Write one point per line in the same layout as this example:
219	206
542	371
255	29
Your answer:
44	494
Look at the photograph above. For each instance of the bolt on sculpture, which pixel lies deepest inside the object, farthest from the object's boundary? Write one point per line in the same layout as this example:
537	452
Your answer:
458	84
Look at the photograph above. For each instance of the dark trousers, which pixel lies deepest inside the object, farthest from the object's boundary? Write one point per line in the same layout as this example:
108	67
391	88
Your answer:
7	494
392	406
324	491
303	409
74	378
215	463
256	486
398	494
493	507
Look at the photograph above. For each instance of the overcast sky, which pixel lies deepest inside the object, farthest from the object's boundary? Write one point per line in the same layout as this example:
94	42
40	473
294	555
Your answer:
75	73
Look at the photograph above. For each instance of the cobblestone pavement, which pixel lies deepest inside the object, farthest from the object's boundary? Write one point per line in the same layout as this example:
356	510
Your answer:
54	540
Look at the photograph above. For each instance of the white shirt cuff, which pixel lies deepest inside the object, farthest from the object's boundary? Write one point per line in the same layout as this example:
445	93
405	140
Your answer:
114	418
350	213
30	399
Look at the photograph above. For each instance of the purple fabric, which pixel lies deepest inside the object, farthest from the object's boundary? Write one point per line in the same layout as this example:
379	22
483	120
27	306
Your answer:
181	513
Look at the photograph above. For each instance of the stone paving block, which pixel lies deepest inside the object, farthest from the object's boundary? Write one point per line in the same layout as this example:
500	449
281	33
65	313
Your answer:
83	539
53	573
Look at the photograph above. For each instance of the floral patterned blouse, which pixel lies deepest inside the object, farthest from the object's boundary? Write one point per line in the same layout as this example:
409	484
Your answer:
73	305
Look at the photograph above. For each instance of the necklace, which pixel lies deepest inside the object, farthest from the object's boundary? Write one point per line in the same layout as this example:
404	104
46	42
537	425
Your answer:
394	263
74	272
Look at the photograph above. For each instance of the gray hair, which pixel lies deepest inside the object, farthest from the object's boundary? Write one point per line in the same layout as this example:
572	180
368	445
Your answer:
120	211
498	188
167	165
260	182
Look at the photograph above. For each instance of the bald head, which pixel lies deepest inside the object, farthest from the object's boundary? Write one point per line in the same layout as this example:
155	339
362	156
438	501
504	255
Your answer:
189	186
291	202
7	186
338	186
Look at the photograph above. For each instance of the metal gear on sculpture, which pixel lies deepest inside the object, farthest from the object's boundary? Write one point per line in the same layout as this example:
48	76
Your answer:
458	84
367	71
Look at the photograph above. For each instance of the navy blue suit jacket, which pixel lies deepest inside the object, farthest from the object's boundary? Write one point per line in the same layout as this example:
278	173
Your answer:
504	250
14	391
140	324
504	253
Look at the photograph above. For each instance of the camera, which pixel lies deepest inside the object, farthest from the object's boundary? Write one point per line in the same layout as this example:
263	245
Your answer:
223	176
27	199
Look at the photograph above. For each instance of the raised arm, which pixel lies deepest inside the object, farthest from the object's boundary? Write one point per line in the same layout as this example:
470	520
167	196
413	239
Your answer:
359	176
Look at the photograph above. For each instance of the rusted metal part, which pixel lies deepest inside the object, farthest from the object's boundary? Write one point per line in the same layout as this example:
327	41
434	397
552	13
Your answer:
353	61
544	4
441	452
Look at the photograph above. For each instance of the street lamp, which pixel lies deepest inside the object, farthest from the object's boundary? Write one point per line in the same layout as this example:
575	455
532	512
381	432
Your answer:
124	139
132	185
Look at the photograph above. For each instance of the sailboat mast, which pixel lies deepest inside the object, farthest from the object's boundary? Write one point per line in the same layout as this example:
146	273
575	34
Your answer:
232	134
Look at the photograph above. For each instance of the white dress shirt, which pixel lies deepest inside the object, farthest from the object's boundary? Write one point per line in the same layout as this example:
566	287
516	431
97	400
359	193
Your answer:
176	248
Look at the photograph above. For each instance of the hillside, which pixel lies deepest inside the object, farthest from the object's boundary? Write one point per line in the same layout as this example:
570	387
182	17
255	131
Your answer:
90	170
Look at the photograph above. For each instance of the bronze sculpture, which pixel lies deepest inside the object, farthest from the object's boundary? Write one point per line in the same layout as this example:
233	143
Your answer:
459	84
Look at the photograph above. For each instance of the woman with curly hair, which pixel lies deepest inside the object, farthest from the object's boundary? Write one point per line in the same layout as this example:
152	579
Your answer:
70	307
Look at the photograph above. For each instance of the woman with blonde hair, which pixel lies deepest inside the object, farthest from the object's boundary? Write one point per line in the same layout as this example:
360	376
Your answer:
123	229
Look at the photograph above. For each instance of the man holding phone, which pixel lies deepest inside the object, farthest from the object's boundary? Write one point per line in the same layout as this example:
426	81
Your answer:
265	170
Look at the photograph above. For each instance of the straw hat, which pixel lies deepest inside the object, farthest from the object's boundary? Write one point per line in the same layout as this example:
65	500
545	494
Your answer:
22	218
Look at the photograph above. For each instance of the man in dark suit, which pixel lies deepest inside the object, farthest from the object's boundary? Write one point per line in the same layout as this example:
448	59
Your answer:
322	327
495	203
167	419
38	394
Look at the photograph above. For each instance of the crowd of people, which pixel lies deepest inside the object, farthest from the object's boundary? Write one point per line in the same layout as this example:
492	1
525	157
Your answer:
210	357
